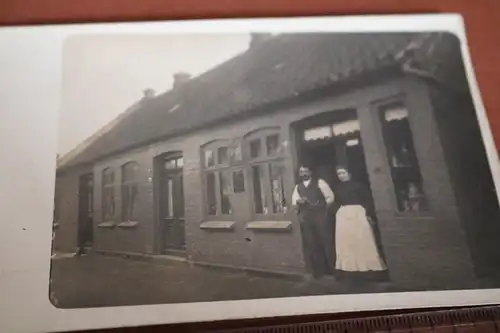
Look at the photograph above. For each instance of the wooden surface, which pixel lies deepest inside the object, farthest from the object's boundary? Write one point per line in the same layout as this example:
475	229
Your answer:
482	18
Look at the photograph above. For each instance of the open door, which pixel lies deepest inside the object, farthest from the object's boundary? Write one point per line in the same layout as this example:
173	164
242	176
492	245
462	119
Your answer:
331	139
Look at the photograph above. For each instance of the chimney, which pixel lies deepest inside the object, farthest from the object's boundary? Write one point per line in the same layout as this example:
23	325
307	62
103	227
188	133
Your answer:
181	78
149	93
256	39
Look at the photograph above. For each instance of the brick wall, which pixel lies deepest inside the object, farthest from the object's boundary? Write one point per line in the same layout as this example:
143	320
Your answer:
471	176
426	249
132	240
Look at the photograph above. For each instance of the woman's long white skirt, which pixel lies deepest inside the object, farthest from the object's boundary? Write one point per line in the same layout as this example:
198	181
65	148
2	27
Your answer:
355	242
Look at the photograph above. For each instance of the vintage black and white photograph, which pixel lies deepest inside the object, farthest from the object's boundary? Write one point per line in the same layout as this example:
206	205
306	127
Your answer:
198	167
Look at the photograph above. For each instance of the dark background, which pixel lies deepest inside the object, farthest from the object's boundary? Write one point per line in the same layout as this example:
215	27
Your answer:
482	19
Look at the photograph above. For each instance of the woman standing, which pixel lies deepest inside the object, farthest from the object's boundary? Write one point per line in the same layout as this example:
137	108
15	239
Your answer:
355	244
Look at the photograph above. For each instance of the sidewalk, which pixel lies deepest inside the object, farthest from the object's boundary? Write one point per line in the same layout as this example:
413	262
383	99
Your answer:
94	281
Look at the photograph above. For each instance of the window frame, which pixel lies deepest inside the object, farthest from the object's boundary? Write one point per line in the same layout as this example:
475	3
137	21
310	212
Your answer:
172	210
265	161
108	187
378	108
129	184
218	169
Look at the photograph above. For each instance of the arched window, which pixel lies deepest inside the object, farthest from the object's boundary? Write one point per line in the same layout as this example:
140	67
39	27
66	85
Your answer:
108	194
129	190
223	176
264	154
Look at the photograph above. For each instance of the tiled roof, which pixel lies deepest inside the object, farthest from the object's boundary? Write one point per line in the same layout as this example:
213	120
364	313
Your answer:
281	68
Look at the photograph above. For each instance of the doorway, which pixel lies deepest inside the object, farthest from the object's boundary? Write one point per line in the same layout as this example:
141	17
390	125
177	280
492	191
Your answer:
86	211
331	139
171	205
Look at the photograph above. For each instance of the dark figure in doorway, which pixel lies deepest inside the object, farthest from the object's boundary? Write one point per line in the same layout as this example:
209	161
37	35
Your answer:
83	238
355	242
311	197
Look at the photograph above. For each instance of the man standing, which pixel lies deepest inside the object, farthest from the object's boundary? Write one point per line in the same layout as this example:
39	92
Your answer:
311	197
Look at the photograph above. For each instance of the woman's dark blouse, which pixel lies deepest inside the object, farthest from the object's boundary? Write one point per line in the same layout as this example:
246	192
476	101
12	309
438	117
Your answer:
352	193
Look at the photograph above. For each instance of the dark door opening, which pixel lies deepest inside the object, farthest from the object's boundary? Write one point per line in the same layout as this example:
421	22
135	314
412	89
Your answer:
331	139
171	207
86	211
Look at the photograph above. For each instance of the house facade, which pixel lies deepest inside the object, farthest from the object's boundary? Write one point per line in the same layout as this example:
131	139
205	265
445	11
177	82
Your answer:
219	193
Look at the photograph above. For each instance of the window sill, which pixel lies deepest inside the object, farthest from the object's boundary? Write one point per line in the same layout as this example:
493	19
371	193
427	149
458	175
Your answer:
128	224
106	225
269	225
217	225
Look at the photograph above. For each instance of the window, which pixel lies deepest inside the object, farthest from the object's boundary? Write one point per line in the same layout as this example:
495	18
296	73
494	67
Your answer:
238	181
403	162
236	153
258	189
222	155
175	163
170	198
225	191
129	191
108	194
209	158
272	144
223	175
276	172
211	194
255	148
267	172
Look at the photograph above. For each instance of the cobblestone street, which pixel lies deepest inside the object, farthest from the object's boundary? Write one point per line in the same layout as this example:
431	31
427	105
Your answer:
94	281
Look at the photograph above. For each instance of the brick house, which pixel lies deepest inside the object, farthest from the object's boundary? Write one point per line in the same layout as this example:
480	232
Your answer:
205	171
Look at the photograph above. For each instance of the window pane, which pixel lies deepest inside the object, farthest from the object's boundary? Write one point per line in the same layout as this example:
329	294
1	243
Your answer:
238	181
180	197
209	158
170	164
211	198
180	162
107	177
225	192
125	203
255	149
133	200
405	170
170	199
129	172
222	155
237	155
258	189
108	201
317	133
272	144
277	171
126	174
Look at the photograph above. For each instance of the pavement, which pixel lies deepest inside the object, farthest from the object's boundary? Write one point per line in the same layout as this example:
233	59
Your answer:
96	281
